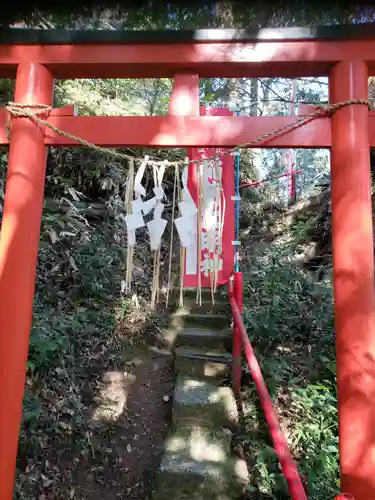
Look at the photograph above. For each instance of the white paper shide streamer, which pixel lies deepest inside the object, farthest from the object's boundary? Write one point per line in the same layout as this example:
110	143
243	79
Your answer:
186	225
135	220
157	225
208	216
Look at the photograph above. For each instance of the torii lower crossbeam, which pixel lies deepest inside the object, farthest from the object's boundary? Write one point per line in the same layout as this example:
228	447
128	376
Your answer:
182	131
186	131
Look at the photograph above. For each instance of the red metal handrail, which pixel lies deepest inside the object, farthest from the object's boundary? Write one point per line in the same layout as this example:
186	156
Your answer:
256	183
288	465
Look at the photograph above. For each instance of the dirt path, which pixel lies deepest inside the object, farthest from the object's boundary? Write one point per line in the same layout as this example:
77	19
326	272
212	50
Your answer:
131	422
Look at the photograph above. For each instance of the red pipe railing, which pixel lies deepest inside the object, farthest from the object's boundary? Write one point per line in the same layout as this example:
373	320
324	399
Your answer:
266	179
288	465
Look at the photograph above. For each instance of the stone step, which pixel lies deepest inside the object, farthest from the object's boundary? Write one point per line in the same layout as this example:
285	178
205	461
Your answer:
199	442
192	337
186	317
221	307
205	291
202	363
178	324
188	479
202	403
190	294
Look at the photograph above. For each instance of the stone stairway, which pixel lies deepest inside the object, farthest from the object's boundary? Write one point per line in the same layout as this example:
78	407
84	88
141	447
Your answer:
198	462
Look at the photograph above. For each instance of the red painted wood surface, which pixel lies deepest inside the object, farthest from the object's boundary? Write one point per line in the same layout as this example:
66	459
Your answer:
209	60
19	242
266	179
185	97
353	266
185	131
191	280
182	131
237	339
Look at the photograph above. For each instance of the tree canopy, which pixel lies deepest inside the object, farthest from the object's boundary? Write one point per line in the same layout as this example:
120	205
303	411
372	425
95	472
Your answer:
158	14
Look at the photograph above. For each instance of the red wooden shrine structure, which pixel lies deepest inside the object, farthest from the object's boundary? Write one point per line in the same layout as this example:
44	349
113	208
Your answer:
345	54
227	253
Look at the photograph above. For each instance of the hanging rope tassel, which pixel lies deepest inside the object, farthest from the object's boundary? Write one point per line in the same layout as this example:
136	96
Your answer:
130	247
182	249
211	249
153	285
157	279
182	264
154	267
221	215
212	243
156	229
200	200
216	227
171	240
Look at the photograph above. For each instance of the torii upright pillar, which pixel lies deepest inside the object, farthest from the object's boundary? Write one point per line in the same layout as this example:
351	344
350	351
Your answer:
353	265
18	255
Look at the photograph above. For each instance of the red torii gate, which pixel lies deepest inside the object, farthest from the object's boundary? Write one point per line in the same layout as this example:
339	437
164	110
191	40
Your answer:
345	54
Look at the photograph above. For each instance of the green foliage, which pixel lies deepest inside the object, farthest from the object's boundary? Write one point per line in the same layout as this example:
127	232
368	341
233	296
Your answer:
302	229
116	97
74	310
315	436
156	14
284	299
288	314
46	346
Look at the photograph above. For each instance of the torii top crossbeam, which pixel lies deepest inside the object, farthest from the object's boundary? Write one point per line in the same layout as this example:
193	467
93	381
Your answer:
285	52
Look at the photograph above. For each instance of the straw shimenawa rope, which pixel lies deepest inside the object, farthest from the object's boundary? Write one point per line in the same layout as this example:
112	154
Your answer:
32	111
200	213
128	204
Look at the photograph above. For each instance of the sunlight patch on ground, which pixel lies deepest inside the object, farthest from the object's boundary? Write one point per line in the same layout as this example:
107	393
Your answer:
113	396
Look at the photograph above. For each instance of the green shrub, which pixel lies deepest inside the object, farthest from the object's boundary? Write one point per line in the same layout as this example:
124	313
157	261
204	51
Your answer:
289	318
